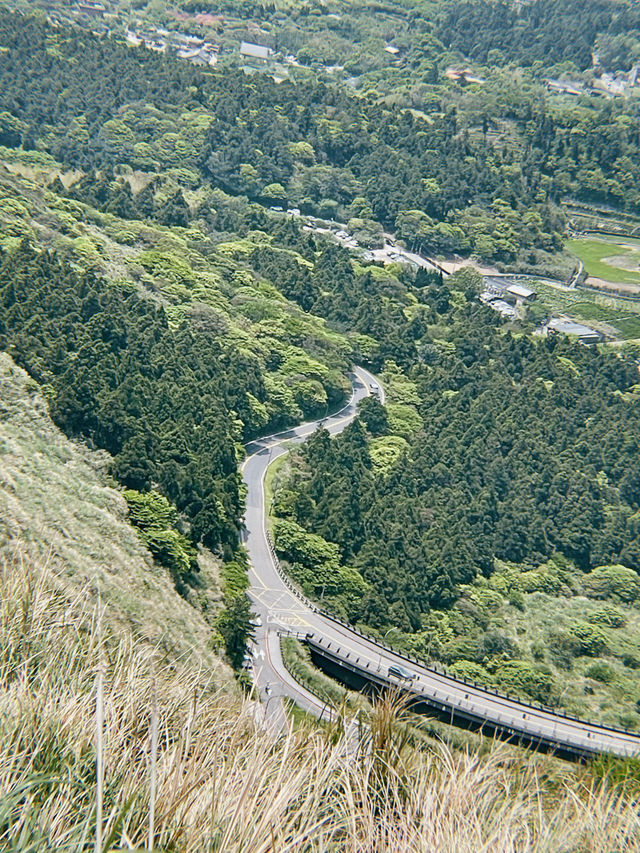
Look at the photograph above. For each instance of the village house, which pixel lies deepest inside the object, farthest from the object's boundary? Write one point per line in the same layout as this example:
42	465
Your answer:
255	51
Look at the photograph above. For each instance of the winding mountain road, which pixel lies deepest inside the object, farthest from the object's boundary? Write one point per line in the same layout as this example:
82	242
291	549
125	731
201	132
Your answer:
281	610
278	608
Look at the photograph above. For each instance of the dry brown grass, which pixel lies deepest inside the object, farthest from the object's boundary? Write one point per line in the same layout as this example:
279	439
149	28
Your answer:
223	784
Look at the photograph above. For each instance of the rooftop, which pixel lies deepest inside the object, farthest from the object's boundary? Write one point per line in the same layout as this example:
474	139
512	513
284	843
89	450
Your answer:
258	51
568	327
521	291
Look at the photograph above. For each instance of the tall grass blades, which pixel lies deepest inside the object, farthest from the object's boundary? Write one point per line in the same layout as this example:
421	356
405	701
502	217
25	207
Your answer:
99	756
190	771
153	769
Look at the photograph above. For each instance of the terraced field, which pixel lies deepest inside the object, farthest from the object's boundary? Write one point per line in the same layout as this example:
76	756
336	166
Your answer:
613	316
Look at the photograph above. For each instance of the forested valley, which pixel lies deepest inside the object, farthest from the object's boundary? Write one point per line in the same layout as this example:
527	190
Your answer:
491	446
436	177
500	481
171	314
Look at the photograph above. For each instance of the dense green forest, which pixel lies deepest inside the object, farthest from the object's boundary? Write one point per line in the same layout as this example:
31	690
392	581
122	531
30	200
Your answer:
171	367
151	369
144	333
157	400
543	31
503	448
95	104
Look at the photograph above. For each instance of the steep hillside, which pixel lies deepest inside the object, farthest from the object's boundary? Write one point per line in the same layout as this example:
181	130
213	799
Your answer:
58	511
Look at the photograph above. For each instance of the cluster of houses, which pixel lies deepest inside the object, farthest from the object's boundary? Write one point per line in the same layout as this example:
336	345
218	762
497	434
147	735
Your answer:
195	49
104	18
201	52
190	47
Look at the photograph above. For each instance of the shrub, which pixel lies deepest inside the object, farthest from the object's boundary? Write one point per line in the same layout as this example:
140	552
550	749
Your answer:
541	580
563	648
608	615
627	720
487	599
516	599
592	640
495	645
236	580
461	648
471	671
615	581
526	679
385	452
601	671
315	565
167	265
154	517
404	420
298	545
538	651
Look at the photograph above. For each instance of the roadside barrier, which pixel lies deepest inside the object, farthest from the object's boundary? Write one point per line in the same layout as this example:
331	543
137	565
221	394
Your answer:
436	670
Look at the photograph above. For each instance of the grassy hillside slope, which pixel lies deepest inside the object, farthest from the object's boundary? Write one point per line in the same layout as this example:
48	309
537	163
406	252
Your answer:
57	511
223	784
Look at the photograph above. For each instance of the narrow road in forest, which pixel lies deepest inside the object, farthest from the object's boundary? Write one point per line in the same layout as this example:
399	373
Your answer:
278	608
283	610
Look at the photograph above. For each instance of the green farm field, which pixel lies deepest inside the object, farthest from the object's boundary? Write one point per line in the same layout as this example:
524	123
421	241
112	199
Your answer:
612	259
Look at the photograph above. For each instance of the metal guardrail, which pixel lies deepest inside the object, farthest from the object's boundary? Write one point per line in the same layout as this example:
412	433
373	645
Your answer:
486	723
537	706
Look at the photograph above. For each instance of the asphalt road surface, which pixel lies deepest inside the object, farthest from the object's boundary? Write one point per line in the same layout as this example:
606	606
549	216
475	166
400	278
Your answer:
280	611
